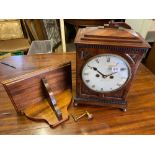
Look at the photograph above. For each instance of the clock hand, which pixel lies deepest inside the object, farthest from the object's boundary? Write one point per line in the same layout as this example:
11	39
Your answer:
110	74
95	69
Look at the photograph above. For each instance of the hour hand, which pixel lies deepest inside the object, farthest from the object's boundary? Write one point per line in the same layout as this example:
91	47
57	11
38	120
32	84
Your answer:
110	74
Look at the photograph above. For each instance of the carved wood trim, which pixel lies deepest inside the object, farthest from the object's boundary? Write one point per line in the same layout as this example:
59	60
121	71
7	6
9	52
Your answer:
114	48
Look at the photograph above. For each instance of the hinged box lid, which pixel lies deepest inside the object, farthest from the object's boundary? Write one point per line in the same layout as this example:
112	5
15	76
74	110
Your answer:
110	36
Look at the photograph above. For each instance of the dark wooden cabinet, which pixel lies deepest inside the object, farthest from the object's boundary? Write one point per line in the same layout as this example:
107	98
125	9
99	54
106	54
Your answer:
150	59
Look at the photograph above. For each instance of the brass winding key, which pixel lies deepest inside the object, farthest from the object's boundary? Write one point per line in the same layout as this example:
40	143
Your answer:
89	116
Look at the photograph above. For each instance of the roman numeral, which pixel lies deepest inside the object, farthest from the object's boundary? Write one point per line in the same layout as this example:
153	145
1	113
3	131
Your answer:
86	73
87	81
93	86
108	59
118	84
122	69
97	60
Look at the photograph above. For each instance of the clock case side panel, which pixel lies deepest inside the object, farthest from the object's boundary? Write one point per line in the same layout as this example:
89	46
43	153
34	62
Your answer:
83	94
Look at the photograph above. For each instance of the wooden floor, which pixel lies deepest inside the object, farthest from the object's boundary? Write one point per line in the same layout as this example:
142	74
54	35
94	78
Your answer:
139	119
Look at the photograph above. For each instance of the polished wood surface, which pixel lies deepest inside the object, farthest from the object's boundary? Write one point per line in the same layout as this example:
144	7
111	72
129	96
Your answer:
139	119
42	112
28	89
111	37
42	95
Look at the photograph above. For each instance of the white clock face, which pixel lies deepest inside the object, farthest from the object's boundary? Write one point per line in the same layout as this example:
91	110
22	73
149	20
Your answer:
105	73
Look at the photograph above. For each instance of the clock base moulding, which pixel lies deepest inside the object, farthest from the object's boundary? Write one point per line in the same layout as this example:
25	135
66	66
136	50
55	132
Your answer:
121	104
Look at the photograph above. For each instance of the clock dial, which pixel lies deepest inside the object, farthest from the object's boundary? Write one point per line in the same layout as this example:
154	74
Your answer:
105	72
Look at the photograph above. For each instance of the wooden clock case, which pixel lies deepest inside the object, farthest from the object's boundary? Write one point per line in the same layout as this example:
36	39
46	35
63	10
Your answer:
98	40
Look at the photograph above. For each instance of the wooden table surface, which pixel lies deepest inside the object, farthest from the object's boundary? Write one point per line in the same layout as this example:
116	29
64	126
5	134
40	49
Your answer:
139	119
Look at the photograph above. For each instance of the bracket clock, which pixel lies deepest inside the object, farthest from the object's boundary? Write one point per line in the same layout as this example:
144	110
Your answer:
106	62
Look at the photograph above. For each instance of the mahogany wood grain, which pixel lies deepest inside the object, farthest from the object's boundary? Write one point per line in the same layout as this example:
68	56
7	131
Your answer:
139	119
97	36
43	111
94	41
28	89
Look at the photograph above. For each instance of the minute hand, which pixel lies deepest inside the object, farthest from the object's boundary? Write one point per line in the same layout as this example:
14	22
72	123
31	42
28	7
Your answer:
95	69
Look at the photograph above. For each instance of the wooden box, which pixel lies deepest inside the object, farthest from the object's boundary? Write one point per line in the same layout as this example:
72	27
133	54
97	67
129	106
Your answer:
27	92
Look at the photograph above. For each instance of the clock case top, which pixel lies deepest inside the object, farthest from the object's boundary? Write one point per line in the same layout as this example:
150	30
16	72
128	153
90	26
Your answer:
111	37
93	41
